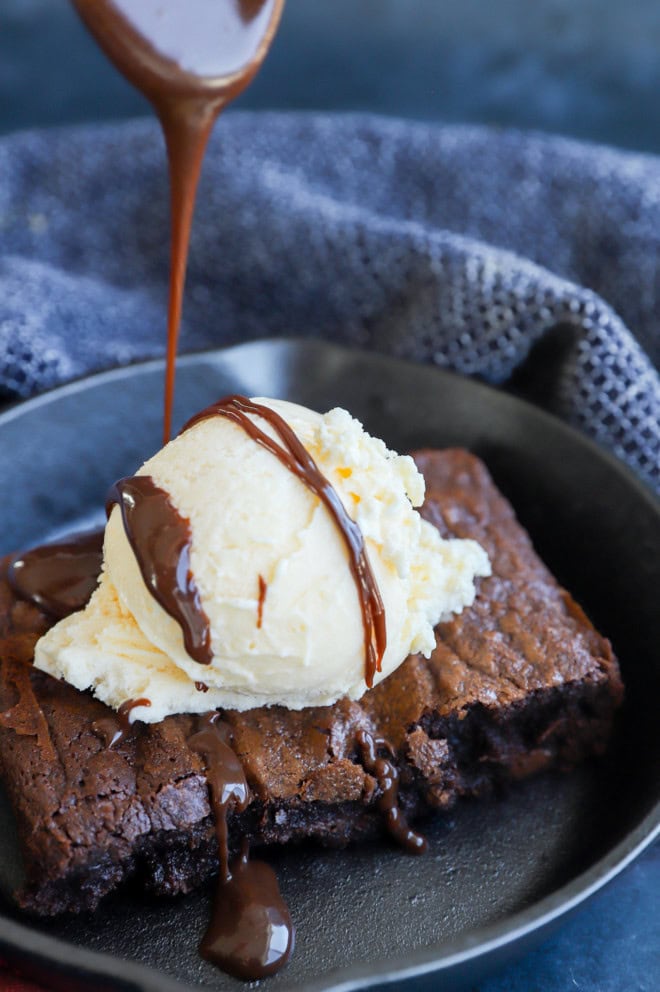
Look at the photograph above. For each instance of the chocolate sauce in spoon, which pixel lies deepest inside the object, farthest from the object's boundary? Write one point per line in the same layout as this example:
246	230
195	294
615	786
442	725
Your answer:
190	58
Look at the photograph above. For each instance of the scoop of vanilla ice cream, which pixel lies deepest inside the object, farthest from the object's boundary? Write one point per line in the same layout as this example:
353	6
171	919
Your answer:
251	517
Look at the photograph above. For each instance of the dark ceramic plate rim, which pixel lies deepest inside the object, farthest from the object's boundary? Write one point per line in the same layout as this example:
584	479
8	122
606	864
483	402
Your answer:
20	942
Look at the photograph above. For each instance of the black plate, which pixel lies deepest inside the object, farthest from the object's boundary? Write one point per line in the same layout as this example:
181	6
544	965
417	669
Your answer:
497	873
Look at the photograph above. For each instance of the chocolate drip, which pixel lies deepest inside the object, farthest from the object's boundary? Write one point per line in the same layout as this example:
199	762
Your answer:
160	538
387	776
190	59
294	456
112	729
59	578
227	783
250	934
263	589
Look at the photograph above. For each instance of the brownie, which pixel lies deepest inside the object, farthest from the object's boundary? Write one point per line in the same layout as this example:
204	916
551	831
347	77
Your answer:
519	682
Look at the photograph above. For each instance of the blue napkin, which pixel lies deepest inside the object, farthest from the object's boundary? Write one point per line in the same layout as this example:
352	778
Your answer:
524	260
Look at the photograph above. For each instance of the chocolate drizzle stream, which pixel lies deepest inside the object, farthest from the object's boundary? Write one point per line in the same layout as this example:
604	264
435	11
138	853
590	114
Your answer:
190	59
387	776
59	578
250	934
112	729
294	456
160	538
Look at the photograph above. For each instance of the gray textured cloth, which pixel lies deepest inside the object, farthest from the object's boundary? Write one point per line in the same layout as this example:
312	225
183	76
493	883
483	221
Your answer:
495	254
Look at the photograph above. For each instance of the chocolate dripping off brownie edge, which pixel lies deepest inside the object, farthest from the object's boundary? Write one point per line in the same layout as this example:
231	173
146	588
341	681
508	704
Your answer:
251	934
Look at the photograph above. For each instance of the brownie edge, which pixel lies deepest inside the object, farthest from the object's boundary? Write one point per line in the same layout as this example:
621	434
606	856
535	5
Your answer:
519	682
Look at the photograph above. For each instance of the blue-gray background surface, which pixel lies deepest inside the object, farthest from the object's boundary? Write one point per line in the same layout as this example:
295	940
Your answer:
586	68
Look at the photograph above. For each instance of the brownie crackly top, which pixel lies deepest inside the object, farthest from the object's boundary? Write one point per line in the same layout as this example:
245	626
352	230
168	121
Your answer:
518	682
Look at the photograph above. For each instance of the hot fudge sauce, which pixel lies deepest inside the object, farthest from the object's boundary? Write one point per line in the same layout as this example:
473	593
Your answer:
250	934
387	776
60	577
112	729
160	539
263	591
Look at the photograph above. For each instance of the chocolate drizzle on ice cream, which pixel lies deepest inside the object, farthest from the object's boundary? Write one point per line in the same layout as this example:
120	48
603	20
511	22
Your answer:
161	538
263	591
294	456
298	498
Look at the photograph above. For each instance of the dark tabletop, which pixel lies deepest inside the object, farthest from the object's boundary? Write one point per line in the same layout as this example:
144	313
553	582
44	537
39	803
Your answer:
587	68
